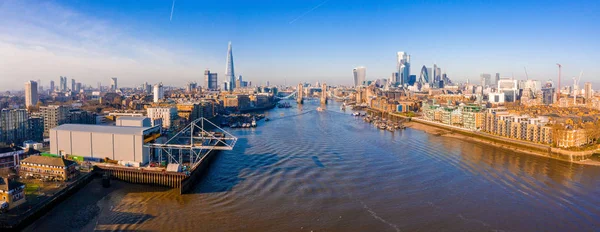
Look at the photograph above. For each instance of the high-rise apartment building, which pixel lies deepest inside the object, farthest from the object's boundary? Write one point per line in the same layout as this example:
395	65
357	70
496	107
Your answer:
403	67
31	93
589	93
63	84
159	93
73	83
13	126
51	86
210	80
360	74
229	71
167	114
54	115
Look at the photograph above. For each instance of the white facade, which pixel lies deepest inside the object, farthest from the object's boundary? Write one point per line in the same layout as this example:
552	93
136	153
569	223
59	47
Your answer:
113	142
496	98
167	114
31	93
159	93
360	74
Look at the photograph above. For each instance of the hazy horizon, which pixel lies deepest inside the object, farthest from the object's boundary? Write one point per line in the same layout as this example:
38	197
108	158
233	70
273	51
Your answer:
292	41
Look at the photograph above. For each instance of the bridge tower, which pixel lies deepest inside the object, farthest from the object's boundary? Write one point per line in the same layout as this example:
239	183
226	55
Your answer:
324	93
300	94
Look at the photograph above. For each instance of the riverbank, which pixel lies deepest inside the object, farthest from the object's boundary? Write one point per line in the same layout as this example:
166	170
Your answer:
506	144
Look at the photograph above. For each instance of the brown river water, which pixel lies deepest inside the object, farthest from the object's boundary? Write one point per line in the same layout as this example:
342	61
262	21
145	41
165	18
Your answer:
327	171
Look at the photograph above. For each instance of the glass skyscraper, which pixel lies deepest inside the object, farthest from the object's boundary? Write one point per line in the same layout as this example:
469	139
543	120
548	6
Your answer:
229	72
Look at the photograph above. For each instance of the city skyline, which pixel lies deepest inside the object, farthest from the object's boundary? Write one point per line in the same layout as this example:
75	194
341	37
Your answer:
85	44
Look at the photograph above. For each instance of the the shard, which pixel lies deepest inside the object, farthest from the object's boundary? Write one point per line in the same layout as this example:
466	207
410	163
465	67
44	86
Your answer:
229	73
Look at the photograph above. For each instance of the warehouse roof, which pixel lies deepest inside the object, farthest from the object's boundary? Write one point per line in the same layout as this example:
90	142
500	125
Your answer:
127	130
128	118
51	161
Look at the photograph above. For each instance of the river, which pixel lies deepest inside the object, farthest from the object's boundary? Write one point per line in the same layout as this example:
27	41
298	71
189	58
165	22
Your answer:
327	171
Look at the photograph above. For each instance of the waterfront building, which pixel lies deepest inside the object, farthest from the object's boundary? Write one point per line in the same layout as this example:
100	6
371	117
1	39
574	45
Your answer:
210	80
167	114
121	143
360	75
403	67
159	93
48	168
12	193
236	101
571	138
229	71
31	94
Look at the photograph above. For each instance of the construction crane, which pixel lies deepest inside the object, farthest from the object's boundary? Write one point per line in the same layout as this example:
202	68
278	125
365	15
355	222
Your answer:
558	92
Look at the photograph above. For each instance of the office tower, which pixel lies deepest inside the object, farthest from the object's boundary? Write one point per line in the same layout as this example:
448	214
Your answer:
403	67
13	126
424	75
486	79
113	84
510	89
51	86
54	115
159	93
73	84
548	95
239	82
63	84
412	79
394	78
436	77
497	78
360	74
225	86
210	80
31	94
78	87
191	87
229	72
588	91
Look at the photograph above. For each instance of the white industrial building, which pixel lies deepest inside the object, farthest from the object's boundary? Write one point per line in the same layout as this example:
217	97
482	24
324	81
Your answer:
133	121
122	143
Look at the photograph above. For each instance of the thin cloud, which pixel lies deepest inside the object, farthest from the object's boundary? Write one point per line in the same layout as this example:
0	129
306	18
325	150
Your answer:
172	8
305	13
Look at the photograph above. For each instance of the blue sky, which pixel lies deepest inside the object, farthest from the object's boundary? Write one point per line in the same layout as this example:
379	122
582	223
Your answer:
293	41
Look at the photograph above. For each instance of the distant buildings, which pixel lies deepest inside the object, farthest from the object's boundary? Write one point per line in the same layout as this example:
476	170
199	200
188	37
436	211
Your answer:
588	91
63	84
486	79
210	80
424	75
159	92
31	94
229	71
403	67
360	74
113	84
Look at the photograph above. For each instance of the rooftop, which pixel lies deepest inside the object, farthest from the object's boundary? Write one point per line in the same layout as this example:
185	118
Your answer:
129	118
51	161
127	130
